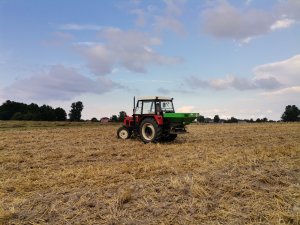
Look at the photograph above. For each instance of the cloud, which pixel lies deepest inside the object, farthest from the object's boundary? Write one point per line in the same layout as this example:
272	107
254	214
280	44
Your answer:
132	50
169	23
282	24
174	7
166	18
169	20
284	91
59	83
233	82
286	71
141	17
186	108
224	20
269	76
79	27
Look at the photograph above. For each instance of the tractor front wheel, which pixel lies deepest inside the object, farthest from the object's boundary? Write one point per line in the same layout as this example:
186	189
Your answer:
123	133
150	131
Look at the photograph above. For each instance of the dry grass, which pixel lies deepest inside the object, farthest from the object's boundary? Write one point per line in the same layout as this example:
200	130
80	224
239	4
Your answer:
217	174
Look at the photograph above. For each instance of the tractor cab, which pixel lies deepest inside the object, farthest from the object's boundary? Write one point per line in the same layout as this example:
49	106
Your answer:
153	105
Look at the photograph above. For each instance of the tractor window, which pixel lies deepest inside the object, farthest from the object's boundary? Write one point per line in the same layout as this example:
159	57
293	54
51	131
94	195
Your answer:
167	106
138	109
148	107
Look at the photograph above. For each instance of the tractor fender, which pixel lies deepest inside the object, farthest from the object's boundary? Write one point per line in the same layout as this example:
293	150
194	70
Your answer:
159	119
128	121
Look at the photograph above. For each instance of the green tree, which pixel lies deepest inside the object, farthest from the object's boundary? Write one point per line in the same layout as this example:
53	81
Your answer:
60	114
216	119
114	118
75	112
9	108
94	119
20	111
17	116
122	116
200	119
291	114
232	120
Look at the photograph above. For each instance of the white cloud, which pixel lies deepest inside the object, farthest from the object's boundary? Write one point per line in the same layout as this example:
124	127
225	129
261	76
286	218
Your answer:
174	7
286	72
269	76
186	108
165	18
132	50
79	27
141	17
84	43
235	82
169	23
224	20
59	83
169	20
282	24
284	91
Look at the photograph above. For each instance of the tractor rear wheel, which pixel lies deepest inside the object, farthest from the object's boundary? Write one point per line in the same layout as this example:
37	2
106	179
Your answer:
123	133
150	131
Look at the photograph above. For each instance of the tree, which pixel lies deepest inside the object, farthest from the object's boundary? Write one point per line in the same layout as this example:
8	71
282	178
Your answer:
17	116
232	120
216	119
47	113
200	119
208	120
60	114
75	112
291	114
122	116
94	119
114	118
11	110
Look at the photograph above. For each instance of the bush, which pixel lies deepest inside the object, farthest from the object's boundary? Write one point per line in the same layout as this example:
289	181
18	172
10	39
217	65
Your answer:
94	119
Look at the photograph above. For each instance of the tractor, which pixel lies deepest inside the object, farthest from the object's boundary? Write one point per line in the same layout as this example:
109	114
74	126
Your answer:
154	120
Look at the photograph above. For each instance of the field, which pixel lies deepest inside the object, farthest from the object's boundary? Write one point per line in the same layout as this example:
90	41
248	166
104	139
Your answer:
68	173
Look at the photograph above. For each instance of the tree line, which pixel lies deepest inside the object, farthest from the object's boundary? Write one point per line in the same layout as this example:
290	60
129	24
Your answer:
291	114
11	110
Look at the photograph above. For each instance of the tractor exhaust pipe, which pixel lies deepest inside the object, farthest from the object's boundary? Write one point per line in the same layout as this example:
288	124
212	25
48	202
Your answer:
133	104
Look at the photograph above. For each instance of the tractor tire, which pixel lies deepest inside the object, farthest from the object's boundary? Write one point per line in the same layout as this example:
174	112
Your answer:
169	137
150	131
124	133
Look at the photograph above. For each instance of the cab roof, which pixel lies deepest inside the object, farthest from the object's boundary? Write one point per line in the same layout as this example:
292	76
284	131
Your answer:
154	97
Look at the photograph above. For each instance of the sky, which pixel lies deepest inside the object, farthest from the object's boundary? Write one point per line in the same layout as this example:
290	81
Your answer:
236	58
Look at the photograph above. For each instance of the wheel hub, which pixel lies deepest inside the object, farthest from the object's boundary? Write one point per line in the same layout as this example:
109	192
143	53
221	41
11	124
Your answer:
123	134
148	131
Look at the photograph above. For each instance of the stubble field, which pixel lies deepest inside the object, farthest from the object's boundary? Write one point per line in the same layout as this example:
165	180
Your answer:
62	173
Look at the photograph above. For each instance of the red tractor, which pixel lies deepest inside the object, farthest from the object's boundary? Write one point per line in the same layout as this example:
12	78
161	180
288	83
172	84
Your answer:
154	119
